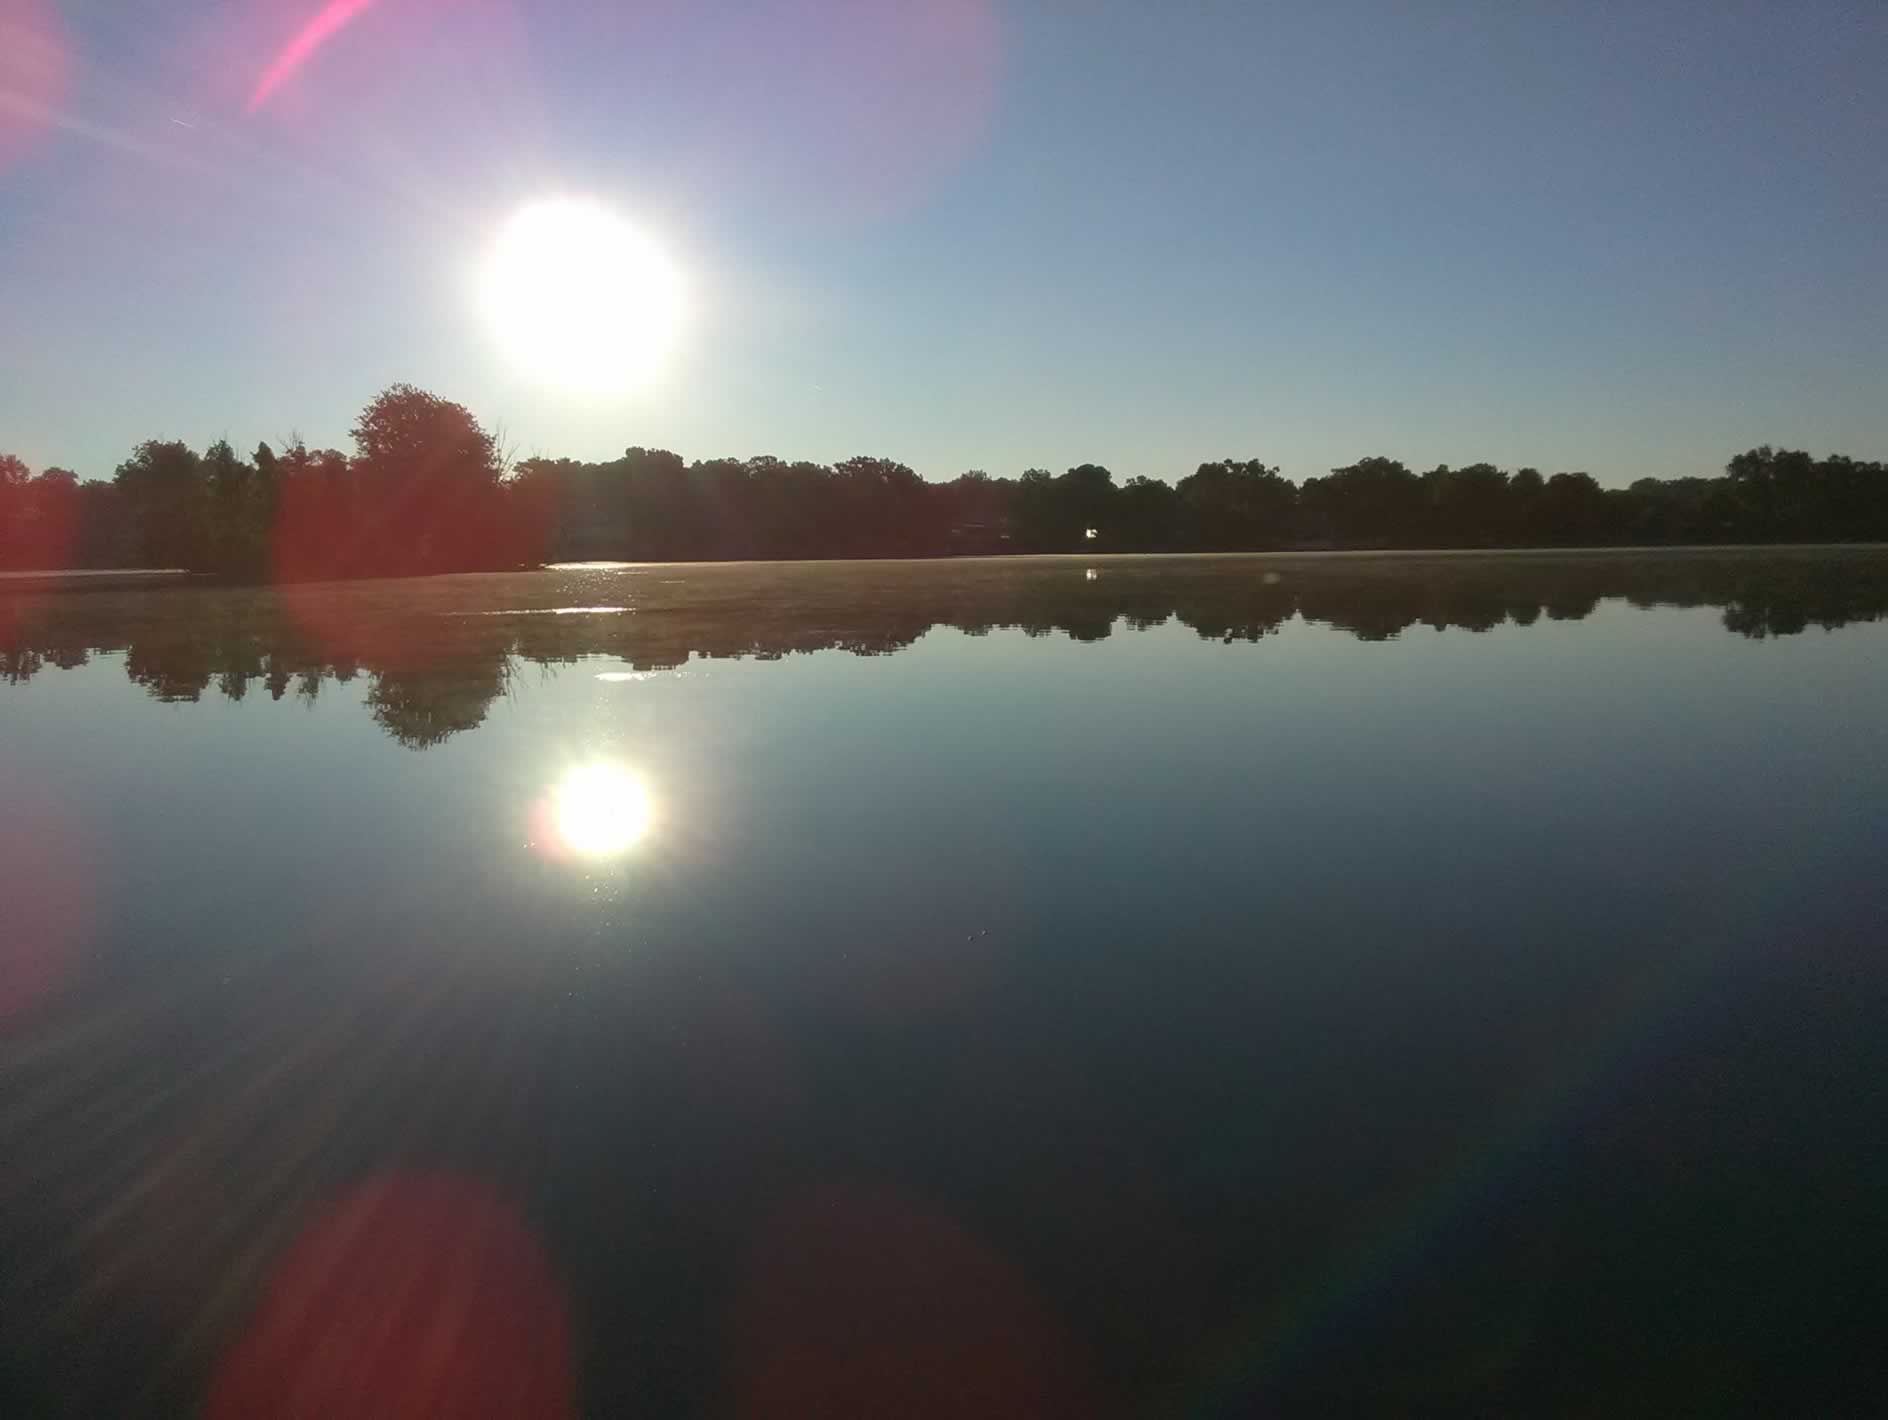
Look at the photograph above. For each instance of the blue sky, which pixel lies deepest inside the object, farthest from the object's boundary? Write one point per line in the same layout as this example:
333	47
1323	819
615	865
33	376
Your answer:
1630	238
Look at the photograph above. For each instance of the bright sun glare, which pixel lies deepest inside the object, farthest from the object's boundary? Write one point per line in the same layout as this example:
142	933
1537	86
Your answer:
580	298
601	810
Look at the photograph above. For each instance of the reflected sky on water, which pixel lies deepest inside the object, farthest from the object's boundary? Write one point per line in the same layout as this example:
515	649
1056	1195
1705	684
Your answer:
1316	982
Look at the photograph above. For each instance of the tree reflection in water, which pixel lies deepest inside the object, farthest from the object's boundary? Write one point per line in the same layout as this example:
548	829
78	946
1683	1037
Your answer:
439	651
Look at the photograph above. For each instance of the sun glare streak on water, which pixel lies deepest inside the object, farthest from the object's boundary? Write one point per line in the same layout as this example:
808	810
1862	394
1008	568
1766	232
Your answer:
547	611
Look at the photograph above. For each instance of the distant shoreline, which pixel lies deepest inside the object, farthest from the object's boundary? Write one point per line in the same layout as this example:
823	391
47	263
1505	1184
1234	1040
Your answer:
71	578
119	579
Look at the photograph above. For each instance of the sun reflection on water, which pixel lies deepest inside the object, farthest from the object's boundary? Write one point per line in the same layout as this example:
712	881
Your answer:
601	810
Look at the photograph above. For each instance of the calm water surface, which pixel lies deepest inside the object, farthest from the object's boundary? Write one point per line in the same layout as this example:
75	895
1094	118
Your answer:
1192	987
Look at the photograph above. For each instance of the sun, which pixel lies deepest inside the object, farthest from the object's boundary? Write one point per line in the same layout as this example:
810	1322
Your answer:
580	298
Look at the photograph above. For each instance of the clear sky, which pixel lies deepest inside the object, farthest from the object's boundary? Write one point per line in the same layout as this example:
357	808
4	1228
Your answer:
1632	238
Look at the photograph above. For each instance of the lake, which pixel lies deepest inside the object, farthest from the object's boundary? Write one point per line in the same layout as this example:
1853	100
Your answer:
1283	985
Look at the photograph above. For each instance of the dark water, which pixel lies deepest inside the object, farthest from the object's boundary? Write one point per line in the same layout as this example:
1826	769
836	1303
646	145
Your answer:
1194	987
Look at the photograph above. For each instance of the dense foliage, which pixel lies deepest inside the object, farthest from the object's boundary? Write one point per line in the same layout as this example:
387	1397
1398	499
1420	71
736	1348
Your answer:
427	490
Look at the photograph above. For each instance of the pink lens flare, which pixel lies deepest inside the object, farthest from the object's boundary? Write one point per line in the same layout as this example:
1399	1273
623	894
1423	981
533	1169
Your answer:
336	16
33	73
49	883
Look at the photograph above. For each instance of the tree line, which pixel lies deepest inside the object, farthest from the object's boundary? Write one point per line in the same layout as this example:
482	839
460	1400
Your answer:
428	489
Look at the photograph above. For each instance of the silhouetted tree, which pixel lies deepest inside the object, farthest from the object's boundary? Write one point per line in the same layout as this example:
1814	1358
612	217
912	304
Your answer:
422	707
14	535
1572	511
1054	514
881	507
1147	516
235	532
167	500
318	529
1235	506
428	475
1469	507
1371	503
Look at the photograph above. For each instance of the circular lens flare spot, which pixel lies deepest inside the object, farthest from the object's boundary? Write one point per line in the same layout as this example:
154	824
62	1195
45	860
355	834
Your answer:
601	810
580	298
414	1294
